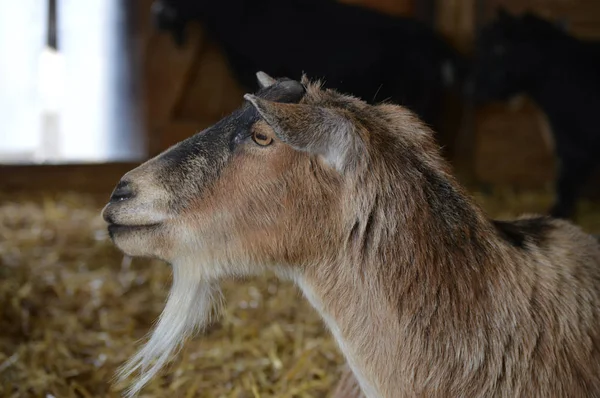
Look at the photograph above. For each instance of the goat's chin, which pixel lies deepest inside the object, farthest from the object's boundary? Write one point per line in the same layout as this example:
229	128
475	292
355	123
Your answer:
188	309
141	244
145	240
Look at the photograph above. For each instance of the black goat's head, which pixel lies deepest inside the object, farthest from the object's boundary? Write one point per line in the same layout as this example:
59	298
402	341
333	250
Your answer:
511	53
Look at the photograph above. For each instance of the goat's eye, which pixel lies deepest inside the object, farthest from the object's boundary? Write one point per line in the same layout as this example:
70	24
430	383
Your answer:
261	139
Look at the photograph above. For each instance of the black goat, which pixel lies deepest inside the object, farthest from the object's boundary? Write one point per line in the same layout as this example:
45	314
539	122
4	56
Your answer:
355	50
561	74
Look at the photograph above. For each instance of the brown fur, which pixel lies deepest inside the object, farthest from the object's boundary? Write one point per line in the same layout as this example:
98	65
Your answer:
347	387
424	294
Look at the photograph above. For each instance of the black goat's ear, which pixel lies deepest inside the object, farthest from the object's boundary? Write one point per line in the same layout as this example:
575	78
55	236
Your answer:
326	132
264	80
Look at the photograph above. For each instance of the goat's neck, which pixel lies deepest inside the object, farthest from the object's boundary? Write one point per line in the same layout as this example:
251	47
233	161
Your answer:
353	325
378	305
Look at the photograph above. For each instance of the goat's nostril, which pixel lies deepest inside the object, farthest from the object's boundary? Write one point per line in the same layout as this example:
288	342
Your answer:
123	191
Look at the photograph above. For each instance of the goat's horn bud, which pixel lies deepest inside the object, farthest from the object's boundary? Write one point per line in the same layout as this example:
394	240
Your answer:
264	80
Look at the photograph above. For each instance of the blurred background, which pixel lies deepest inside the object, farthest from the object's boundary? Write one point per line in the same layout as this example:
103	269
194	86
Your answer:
113	81
89	89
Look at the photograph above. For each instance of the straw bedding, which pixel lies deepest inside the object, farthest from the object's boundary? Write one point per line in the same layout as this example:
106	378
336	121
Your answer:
72	309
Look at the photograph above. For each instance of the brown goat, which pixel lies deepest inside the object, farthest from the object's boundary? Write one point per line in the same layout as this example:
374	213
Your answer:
424	294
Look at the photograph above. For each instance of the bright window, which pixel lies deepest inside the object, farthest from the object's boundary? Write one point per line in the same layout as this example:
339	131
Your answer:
76	103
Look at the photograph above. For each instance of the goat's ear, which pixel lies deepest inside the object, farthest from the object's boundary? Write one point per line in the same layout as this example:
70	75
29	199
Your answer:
264	80
313	129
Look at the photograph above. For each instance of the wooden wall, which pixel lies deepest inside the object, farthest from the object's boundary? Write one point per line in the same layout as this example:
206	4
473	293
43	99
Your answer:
186	89
455	19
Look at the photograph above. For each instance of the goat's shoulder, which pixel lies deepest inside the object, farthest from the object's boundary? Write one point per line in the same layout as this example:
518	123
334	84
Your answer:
525	231
554	242
542	231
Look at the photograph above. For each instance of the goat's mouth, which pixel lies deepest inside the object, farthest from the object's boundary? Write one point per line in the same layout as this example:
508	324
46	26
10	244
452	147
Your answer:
119	229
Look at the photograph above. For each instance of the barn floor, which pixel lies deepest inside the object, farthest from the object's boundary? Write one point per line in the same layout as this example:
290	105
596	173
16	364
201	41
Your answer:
72	310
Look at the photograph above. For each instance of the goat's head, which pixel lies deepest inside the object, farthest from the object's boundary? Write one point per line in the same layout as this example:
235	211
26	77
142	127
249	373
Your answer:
272	186
242	193
511	52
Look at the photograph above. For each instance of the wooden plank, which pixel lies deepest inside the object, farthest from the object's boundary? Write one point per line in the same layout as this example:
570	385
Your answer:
455	19
167	70
98	178
144	28
212	91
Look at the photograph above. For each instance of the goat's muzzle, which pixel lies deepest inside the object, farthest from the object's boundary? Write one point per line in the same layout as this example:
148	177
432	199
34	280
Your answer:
135	214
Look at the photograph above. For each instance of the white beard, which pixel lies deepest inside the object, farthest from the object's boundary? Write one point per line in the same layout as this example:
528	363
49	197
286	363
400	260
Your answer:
188	310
